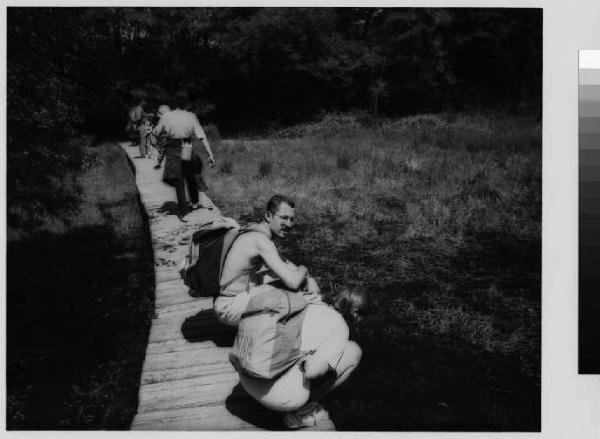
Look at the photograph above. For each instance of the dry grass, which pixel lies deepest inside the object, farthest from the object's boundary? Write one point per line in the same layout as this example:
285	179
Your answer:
439	217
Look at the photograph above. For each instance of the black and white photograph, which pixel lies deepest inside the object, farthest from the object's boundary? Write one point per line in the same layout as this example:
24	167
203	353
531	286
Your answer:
274	218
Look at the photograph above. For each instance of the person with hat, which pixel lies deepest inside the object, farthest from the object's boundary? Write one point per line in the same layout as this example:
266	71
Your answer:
181	163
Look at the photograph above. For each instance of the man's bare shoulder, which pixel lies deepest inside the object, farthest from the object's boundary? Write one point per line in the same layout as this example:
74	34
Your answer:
254	235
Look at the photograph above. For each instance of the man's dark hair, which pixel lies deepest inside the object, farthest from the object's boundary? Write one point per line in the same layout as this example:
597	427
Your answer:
276	200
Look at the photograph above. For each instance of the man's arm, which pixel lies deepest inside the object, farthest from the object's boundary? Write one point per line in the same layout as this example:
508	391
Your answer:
291	276
159	127
211	158
200	134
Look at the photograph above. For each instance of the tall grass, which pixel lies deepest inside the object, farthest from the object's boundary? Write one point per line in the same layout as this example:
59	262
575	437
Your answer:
439	217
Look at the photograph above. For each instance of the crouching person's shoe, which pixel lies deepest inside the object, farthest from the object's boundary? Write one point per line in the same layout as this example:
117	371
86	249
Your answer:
309	415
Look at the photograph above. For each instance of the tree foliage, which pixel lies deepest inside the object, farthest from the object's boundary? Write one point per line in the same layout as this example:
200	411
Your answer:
84	66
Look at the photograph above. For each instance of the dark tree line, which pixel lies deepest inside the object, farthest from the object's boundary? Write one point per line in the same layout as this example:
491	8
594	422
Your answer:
78	70
78	67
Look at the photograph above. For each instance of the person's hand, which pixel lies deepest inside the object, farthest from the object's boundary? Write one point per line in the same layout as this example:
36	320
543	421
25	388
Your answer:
211	161
311	285
312	297
303	268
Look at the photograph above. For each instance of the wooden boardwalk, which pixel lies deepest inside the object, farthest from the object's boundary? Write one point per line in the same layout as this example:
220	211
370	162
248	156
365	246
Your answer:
187	382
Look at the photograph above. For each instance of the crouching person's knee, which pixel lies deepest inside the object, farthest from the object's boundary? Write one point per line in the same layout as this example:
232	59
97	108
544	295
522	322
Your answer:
287	393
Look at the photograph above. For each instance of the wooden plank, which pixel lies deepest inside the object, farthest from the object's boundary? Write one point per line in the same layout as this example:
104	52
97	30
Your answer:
172	360
216	417
196	305
197	370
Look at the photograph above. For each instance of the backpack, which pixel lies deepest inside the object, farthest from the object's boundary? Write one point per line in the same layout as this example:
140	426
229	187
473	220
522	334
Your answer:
268	340
201	268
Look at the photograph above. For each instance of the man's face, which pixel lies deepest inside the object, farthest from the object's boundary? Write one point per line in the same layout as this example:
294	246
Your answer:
282	221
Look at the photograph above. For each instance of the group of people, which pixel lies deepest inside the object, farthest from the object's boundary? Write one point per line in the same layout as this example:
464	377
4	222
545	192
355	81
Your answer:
324	332
330	357
139	127
172	138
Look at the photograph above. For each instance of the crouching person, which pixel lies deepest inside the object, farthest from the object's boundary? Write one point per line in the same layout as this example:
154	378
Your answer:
310	338
331	358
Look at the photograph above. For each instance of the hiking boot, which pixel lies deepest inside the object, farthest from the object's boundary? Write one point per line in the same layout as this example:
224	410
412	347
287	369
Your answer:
306	416
181	217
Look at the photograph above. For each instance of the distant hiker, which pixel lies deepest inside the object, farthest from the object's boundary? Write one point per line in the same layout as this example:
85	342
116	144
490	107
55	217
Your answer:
145	131
327	358
135	119
182	164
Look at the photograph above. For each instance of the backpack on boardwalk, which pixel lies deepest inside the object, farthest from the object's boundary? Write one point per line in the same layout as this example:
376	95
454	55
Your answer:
201	268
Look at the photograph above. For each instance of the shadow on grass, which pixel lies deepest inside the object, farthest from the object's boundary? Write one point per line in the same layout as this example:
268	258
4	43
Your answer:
453	343
76	337
205	326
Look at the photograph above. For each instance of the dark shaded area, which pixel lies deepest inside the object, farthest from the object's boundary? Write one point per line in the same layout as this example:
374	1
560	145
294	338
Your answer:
420	382
589	306
79	306
427	370
205	326
242	405
76	337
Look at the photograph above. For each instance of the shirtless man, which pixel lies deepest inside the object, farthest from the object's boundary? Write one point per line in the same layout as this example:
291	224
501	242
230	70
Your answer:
249	252
324	331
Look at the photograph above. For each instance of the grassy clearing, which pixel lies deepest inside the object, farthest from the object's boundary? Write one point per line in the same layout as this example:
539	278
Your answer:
80	294
439	217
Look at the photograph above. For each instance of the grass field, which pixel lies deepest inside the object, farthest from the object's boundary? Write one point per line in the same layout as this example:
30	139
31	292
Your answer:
79	304
439	218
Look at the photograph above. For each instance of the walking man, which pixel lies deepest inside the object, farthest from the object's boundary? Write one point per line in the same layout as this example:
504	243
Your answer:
181	164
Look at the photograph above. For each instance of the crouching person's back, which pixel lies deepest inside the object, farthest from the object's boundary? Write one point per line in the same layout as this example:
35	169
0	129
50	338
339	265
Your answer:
330	360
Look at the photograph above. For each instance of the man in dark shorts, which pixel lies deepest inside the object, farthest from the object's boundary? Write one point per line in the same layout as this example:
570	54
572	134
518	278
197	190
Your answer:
181	164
